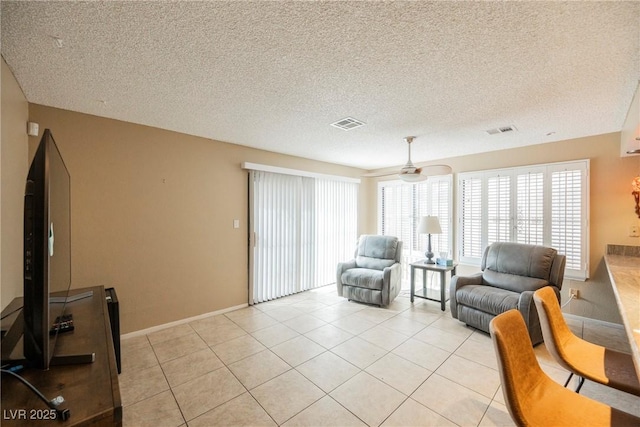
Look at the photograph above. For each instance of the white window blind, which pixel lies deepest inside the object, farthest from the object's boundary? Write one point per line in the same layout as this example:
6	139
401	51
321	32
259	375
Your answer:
396	211
499	224
471	218
336	226
401	206
568	223
541	205
529	208
301	227
434	197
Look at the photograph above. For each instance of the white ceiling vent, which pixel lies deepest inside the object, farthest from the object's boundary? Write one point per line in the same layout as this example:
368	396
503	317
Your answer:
347	123
501	129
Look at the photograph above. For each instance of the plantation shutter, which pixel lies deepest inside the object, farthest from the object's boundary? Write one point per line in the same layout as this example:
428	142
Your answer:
499	224
471	218
438	194
401	207
567	222
530	208
540	205
396	212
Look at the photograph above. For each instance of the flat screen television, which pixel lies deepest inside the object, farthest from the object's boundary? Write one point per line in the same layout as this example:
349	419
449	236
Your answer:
47	249
47	255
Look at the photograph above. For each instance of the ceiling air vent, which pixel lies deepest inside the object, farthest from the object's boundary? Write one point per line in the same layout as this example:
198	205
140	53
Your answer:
501	129
347	123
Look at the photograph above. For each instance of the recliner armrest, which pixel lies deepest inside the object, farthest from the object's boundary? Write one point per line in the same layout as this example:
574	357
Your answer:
527	307
456	283
392	277
342	267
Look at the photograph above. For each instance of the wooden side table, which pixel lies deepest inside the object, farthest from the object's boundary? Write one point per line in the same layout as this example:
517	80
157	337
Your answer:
425	292
90	390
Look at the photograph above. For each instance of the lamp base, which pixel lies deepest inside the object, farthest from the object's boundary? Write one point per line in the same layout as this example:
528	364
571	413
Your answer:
429	253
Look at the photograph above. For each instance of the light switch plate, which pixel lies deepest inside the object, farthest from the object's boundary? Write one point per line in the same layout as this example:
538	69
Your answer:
236	223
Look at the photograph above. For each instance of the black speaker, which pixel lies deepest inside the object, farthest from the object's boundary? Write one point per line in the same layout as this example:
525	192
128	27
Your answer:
114	317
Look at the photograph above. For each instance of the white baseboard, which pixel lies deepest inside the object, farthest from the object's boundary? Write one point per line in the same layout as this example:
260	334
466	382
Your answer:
181	322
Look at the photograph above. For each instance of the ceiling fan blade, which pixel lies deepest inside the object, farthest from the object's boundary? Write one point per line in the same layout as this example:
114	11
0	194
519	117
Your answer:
430	170
412	173
433	170
378	174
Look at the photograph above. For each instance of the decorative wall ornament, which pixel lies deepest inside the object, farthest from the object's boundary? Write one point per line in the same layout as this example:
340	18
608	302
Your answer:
635	185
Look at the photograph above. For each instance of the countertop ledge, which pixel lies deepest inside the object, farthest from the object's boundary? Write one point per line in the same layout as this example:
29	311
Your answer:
623	265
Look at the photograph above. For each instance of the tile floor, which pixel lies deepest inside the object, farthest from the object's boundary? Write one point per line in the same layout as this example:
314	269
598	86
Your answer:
315	359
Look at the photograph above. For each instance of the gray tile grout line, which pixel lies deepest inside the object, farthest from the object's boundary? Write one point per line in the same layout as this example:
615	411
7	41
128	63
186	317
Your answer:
184	419
397	314
291	367
387	352
326	394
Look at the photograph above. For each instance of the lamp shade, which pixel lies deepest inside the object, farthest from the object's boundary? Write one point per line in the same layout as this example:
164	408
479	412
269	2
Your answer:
429	225
635	184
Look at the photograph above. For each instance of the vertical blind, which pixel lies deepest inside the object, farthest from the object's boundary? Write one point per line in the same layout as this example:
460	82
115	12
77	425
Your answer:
301	228
540	205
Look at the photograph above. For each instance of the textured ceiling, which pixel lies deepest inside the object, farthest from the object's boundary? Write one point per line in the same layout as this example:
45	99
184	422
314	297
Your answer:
274	75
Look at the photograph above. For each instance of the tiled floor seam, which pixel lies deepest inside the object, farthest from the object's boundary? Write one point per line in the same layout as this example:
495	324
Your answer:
370	316
247	391
184	419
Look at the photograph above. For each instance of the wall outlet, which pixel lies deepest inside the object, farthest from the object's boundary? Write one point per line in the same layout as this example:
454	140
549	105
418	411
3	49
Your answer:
575	293
634	231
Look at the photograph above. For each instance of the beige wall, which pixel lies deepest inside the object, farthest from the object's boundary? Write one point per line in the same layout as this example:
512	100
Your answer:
611	206
13	172
153	211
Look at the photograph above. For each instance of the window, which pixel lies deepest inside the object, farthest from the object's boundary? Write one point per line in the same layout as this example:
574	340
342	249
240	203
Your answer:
540	205
401	206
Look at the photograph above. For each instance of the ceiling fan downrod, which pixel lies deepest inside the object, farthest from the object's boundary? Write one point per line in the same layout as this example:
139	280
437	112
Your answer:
409	140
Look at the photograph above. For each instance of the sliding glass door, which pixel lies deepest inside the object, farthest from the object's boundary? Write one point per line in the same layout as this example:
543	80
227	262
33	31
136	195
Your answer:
301	227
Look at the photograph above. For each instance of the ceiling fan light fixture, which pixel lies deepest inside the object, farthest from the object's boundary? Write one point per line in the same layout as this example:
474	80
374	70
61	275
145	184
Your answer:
412	177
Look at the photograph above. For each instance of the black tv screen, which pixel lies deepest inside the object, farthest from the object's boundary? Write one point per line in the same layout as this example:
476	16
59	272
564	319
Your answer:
47	249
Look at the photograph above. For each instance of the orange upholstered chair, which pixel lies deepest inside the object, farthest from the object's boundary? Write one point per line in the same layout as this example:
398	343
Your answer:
534	399
587	360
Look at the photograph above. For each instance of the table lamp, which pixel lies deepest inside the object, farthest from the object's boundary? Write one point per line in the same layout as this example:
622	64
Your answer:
429	225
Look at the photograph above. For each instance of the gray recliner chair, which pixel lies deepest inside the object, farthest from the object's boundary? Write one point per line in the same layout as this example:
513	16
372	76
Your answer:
374	275
511	273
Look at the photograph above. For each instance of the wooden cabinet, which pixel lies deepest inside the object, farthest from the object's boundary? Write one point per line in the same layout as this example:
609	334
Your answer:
90	390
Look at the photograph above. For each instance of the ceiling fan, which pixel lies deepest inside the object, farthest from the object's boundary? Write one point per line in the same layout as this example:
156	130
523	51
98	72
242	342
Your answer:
411	173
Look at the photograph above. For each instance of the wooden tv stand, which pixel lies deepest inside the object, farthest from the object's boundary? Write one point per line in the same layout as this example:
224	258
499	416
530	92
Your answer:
90	390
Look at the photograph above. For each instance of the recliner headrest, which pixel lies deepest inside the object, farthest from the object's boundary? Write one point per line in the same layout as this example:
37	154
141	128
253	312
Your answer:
520	259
